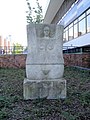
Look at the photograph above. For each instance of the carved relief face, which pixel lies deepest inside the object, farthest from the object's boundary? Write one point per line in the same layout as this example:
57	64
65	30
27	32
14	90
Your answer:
46	31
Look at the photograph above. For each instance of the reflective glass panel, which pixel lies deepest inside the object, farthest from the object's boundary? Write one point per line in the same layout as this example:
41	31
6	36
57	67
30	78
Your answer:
88	23
82	16
67	35
71	33
75	31
64	36
82	28
88	12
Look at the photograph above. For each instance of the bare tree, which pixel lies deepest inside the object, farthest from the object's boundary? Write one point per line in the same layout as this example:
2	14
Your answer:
37	17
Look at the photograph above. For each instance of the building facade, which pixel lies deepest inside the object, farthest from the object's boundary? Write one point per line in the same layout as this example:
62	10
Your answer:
75	16
5	45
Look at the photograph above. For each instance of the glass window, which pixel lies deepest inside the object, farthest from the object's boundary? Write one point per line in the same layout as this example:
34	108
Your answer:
82	16
75	31
70	25
88	12
75	21
64	36
67	35
88	23
71	33
82	27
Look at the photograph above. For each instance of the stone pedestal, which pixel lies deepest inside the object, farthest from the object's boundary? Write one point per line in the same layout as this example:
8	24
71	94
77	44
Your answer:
44	63
50	89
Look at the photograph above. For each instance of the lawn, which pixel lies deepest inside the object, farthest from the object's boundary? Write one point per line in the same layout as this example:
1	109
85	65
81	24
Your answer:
75	107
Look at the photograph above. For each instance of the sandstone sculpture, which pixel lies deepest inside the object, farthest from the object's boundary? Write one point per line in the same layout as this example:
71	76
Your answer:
44	63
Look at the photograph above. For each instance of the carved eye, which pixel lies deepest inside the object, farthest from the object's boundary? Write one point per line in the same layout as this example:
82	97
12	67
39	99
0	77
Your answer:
41	47
50	47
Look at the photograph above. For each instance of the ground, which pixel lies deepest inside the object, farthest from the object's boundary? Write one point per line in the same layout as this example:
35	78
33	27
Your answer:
75	107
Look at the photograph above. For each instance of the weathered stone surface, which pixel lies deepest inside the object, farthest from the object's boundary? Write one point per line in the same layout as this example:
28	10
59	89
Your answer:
44	49
44	63
50	89
41	49
54	71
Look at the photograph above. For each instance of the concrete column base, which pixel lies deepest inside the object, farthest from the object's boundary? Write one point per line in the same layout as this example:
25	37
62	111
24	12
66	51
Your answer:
50	89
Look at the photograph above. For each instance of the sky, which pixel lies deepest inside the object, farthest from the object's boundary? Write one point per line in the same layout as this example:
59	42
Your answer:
13	19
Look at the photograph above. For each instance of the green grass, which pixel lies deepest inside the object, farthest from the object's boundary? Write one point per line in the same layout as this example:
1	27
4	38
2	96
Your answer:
74	107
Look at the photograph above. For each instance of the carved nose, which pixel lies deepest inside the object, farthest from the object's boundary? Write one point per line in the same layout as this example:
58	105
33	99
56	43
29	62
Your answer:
45	72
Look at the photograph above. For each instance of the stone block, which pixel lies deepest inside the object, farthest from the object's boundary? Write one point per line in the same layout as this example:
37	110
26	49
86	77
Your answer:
44	63
50	89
